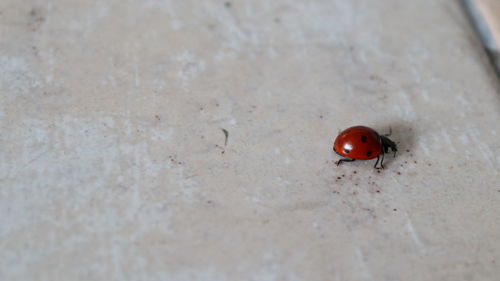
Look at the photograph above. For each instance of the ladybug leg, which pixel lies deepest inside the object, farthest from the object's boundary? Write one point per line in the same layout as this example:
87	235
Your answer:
344	160
381	161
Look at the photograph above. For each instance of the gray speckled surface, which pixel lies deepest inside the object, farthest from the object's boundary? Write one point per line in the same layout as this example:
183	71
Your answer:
113	164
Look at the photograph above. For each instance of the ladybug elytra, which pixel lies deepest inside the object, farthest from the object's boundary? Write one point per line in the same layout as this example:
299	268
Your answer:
362	143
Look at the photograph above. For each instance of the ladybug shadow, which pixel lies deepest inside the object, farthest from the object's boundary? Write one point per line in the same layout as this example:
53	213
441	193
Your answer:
404	137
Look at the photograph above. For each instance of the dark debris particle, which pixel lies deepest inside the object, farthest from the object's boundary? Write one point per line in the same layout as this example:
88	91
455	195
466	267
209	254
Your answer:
157	117
339	178
227	4
343	175
407	150
226	136
209	201
355	172
321	116
378	191
415	162
399	173
378	171
394	210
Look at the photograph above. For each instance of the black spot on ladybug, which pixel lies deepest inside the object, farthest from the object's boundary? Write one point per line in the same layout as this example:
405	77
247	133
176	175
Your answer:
369	153
364	139
346	150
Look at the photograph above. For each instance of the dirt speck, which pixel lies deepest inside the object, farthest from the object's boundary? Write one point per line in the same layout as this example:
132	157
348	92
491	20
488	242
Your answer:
399	173
339	178
226	136
355	172
35	50
157	117
407	150
227	4
378	191
394	210
36	19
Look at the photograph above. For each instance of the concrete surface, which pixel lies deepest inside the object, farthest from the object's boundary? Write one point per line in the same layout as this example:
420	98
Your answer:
113	164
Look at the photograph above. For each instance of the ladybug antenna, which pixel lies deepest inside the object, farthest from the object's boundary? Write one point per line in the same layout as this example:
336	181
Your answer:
390	132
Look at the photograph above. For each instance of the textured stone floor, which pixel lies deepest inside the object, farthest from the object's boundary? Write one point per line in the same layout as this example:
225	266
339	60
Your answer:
114	166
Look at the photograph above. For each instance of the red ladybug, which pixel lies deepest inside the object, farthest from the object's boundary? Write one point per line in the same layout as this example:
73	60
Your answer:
362	143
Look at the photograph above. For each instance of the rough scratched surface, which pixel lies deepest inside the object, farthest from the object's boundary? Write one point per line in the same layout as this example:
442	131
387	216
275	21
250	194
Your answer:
113	162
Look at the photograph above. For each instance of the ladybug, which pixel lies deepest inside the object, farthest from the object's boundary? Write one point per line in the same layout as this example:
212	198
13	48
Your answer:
363	143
